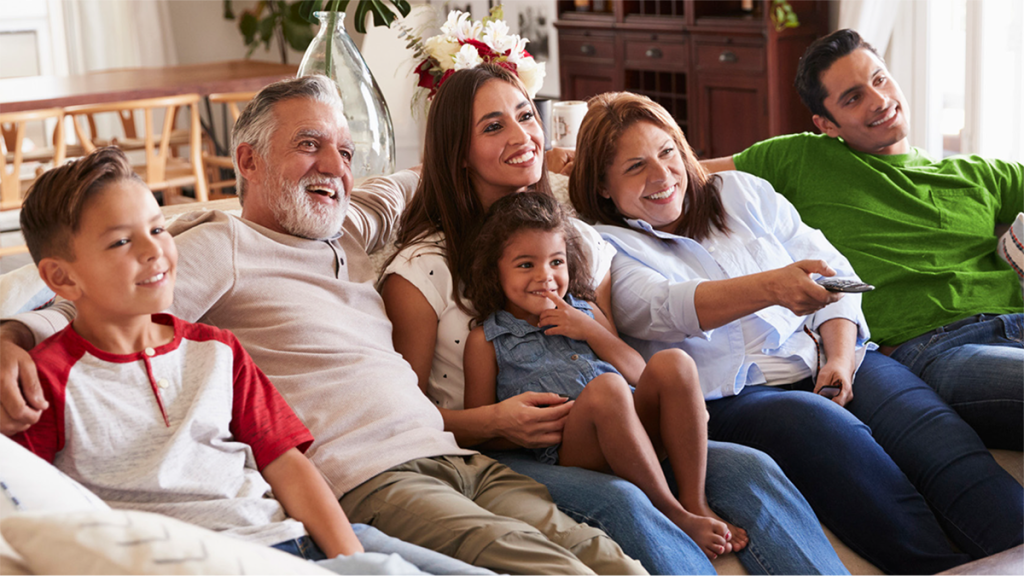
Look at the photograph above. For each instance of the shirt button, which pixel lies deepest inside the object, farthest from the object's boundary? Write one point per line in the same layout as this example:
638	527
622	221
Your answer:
150	352
574	357
163	383
712	249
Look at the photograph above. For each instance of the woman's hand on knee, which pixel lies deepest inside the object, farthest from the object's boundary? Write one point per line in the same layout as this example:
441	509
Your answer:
533	419
836	373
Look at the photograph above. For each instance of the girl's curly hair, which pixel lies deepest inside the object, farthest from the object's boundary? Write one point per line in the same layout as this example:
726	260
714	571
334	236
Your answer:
509	215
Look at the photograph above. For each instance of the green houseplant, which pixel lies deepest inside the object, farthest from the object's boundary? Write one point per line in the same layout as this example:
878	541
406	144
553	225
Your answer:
291	23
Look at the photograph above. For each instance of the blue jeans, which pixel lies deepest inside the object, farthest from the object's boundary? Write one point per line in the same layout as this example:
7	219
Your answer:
380	556
851	483
977	366
743	486
971	495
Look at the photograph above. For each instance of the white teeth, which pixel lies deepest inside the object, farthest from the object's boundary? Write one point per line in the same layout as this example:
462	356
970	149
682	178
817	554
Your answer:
524	158
156	278
888	117
326	191
661	195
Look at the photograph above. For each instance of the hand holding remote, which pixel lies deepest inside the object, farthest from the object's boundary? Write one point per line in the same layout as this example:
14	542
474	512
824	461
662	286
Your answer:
839	285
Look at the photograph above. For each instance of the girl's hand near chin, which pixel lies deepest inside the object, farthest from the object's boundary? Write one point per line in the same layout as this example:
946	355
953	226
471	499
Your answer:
566	320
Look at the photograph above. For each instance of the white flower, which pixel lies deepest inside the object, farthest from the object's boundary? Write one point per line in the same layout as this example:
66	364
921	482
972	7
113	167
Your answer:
497	37
532	74
460	27
518	50
467	57
442	49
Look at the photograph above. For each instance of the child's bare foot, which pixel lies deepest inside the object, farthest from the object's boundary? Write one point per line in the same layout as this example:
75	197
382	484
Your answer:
712	535
739	539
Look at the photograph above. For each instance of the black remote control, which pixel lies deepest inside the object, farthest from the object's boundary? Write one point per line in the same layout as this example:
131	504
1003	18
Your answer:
838	285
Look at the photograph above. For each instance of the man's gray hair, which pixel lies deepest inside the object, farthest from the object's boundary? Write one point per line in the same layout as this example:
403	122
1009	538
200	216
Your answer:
257	122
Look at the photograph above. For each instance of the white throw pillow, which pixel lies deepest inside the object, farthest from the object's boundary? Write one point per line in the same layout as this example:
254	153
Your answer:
134	542
22	290
29	483
1011	246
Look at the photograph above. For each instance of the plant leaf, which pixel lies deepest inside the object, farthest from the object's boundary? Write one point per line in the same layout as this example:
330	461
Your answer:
248	26
266	28
297	32
306	9
403	7
361	11
229	14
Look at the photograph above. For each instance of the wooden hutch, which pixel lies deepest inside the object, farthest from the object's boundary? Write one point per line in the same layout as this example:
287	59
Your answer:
718	66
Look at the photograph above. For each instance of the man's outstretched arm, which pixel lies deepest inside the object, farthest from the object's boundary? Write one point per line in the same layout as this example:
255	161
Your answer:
718	164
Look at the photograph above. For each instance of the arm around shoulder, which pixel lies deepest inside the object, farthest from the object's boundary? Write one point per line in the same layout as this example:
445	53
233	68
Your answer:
21	395
718	164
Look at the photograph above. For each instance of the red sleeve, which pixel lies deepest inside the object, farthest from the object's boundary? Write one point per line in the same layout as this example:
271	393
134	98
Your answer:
259	415
46	437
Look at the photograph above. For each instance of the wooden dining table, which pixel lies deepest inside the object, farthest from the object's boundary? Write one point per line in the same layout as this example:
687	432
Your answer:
39	92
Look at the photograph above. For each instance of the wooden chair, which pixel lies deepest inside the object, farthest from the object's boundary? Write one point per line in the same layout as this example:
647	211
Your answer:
214	163
12	183
162	171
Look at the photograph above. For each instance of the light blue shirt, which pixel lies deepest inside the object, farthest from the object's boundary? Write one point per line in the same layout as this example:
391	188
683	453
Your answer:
655	274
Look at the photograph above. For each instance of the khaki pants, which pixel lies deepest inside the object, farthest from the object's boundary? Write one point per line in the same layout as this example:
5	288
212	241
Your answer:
481	512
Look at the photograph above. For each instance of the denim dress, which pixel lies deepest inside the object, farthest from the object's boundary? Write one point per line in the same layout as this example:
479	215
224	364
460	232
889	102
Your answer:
530	361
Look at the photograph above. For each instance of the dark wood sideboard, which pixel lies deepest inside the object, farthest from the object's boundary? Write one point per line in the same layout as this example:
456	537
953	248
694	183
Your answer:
718	66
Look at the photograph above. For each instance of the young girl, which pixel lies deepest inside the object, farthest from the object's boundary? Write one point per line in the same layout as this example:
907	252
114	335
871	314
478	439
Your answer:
538	331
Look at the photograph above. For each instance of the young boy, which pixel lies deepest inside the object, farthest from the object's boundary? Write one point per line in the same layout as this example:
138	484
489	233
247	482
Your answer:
147	411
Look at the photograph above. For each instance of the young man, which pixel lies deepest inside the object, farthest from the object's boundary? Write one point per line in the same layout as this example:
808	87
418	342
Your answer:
946	306
148	411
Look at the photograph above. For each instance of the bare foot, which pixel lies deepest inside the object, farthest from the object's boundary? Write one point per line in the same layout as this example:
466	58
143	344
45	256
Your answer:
712	535
739	539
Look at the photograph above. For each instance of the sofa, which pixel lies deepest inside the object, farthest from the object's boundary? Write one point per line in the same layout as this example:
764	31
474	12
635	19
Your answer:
22	290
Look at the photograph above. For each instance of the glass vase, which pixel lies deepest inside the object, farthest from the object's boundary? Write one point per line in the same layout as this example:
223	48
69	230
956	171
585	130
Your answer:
333	54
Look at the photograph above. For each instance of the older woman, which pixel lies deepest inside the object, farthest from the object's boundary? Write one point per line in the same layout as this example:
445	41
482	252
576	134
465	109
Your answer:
483	142
723	268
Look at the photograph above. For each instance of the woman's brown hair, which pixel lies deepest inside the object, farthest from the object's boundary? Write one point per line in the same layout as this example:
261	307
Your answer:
445	200
508	216
608	117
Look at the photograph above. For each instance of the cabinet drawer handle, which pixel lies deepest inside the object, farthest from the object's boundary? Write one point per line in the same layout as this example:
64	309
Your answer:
653	53
728	56
588	50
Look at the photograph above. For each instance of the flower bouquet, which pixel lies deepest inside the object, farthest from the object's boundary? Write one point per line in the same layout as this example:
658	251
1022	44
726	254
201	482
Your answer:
464	43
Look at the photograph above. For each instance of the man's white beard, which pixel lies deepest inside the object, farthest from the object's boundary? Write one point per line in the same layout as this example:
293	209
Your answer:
300	215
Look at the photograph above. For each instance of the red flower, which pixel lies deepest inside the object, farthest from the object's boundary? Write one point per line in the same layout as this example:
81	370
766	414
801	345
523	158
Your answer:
482	49
426	78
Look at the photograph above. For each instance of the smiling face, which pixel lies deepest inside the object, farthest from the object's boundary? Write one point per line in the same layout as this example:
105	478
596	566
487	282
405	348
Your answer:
125	261
869	108
647	177
506	147
303	185
533	266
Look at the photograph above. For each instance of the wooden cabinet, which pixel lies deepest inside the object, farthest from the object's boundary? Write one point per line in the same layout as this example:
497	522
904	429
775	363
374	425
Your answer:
718	66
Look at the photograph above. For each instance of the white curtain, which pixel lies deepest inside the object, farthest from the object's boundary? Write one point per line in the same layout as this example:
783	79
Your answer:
874	20
104	34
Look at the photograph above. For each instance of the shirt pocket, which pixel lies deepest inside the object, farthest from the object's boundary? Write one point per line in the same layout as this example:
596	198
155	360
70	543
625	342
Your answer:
526	352
762	254
965	210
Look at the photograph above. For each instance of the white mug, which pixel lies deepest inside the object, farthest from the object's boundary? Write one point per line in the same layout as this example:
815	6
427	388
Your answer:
566	118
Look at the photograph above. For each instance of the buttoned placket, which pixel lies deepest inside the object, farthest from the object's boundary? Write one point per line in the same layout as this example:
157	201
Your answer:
156	384
339	261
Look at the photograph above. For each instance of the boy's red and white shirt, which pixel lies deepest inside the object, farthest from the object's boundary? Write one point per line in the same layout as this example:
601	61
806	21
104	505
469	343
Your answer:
181	429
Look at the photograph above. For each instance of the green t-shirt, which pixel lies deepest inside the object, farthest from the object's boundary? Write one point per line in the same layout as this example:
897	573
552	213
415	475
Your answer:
921	231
